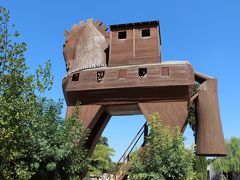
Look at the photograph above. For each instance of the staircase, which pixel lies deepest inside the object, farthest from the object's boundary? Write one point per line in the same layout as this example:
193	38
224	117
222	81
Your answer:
123	163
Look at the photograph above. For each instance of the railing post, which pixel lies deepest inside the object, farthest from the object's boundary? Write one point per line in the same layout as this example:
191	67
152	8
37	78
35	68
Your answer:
145	133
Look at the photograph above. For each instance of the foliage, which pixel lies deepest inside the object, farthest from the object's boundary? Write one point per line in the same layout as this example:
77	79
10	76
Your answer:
192	120
200	164
34	140
101	158
59	146
103	140
230	163
164	155
200	167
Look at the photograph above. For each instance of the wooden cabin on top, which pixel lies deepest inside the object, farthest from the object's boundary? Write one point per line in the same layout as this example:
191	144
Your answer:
135	43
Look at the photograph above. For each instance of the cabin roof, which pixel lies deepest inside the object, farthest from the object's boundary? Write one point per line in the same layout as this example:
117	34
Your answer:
135	24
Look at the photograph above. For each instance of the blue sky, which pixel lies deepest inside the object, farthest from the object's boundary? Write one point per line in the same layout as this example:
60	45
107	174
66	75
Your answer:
206	33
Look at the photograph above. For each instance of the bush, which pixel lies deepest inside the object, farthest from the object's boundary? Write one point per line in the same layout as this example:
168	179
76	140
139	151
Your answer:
164	156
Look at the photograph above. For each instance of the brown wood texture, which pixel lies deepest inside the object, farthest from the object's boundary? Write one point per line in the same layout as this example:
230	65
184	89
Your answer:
147	46
121	48
123	109
129	95
159	44
70	111
93	117
172	114
112	76
179	74
209	139
96	131
135	49
89	114
134	61
200	77
153	86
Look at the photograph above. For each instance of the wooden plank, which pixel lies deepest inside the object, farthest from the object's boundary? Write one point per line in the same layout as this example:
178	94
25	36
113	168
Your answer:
134	61
96	131
89	114
70	111
103	28
158	38
192	100
98	23
210	140
110	48
125	109
93	117
172	114
134	43
179	74
132	88
129	95
147	46
121	48
200	77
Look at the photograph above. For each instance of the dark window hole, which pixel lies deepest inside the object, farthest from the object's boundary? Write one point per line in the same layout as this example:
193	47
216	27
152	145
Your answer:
142	72
146	33
122	35
100	75
75	77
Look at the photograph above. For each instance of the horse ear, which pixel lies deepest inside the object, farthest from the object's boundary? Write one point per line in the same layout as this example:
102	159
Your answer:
90	20
81	22
66	33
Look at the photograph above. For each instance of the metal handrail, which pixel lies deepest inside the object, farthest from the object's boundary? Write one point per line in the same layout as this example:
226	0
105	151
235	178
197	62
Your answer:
145	124
134	145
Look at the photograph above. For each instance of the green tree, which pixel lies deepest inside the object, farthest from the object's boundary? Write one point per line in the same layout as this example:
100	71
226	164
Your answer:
34	140
200	164
231	163
164	155
103	140
200	167
101	159
59	147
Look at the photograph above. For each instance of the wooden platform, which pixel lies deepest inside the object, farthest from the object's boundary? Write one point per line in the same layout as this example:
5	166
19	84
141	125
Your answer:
123	84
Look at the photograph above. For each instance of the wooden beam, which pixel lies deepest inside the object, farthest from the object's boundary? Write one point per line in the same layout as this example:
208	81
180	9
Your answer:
209	139
89	114
172	114
96	131
192	100
200	77
134	43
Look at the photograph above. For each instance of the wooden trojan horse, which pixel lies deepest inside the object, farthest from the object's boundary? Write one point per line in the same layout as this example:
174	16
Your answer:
121	73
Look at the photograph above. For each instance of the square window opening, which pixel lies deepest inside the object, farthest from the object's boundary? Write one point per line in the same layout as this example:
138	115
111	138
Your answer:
142	72
146	33
75	77
100	76
122	35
